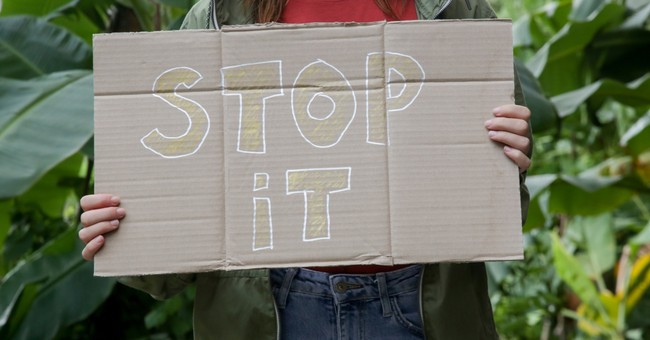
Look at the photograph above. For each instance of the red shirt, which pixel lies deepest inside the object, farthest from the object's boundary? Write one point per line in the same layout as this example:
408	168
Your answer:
304	11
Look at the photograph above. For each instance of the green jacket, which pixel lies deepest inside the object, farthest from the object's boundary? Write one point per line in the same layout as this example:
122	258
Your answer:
240	305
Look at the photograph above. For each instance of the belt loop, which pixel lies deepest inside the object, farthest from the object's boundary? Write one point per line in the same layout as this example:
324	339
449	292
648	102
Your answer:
383	294
286	285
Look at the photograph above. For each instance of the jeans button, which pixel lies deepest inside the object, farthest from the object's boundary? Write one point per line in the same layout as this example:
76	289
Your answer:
341	287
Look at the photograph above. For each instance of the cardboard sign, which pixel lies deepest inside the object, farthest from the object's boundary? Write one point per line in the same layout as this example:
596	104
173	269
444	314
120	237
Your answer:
305	145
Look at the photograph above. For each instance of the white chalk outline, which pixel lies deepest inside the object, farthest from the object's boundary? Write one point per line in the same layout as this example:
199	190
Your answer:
368	100
387	74
421	79
189	127
266	181
270	246
293	109
327	204
414	97
321	94
388	87
241	104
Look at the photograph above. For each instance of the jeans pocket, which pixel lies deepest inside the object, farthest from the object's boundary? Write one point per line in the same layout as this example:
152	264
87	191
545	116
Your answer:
406	310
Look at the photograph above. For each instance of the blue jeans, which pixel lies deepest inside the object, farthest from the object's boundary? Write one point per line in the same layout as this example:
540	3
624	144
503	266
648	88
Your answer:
317	305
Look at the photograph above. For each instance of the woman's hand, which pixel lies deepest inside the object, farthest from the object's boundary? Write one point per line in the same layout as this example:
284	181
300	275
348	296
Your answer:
510	127
102	215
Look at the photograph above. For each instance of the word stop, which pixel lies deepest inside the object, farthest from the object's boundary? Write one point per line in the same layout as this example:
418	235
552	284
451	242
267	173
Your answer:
317	81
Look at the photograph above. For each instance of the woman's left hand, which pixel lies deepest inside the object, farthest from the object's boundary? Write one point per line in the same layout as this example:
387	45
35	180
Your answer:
510	127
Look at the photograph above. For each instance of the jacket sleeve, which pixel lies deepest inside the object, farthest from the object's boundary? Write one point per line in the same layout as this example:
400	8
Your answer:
468	9
523	189
198	16
228	12
160	287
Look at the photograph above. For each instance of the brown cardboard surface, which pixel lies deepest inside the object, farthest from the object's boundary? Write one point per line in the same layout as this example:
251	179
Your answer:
305	145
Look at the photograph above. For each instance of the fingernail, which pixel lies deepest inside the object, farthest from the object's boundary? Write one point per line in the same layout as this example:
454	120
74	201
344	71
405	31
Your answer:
507	149
497	110
492	133
115	223
115	200
120	212
488	123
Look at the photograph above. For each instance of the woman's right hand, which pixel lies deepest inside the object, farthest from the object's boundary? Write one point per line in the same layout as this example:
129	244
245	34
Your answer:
102	215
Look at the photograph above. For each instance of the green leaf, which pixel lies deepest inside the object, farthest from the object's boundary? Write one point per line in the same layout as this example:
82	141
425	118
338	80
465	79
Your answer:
34	7
497	271
143	11
176	3
568	268
78	24
540	25
31	47
557	62
50	193
5	222
635	5
582	9
587	195
638	318
52	118
19	242
521	32
538	183
643	237
595	234
637	138
635	94
6	206
89	148
19	307
543	114
65	292
638	20
538	214
69	299
622	54
98	12
537	210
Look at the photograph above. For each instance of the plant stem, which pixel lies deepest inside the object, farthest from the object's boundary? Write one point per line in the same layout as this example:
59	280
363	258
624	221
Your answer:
622	285
639	203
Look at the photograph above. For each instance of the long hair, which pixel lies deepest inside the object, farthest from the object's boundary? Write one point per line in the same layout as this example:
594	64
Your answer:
271	10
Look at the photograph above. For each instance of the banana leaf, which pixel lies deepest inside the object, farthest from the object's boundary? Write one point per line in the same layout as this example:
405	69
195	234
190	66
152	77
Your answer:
31	47
50	118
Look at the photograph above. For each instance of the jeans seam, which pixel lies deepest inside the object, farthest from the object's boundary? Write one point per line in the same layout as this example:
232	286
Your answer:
403	321
405	291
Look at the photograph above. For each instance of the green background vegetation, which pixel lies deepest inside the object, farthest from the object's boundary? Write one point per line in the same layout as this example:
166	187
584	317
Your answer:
585	67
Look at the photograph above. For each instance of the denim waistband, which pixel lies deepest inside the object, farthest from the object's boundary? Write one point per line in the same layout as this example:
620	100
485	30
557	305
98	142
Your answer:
345	287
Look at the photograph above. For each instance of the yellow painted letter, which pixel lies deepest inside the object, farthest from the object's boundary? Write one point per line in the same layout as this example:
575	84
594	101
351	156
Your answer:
198	120
404	78
323	104
410	78
375	99
254	84
262	222
317	185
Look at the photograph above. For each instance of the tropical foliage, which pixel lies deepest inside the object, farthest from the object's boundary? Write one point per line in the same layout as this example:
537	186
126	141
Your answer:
46	160
585	70
586	76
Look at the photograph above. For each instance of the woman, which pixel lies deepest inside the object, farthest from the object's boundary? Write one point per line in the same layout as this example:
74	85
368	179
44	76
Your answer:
435	301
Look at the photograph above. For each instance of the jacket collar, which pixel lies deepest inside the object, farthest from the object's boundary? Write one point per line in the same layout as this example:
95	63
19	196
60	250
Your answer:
430	9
